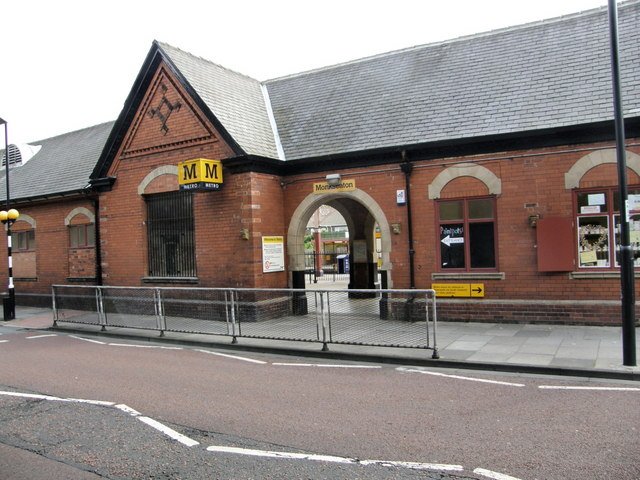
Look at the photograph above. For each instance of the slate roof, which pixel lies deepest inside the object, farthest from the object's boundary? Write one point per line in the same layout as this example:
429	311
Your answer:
62	165
543	75
236	100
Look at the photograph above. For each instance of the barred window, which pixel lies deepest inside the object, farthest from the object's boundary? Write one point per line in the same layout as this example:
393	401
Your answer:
170	235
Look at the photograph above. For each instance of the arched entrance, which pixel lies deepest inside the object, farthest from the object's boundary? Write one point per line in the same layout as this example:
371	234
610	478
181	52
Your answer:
361	213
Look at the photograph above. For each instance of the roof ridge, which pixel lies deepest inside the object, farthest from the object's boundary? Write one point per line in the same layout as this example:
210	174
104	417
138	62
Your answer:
162	45
523	26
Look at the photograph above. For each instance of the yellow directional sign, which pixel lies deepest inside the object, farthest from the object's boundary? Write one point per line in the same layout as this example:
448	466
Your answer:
458	289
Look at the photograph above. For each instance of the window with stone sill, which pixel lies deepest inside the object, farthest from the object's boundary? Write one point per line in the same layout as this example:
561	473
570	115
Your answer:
466	235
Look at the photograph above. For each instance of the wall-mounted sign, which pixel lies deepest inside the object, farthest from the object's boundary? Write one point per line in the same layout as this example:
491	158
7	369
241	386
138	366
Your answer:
401	198
200	174
272	254
458	289
343	186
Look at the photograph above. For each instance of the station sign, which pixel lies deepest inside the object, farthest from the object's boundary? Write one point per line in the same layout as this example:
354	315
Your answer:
458	289
200	174
324	187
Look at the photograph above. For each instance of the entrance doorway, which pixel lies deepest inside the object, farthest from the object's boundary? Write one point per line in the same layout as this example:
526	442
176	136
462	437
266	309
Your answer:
367	253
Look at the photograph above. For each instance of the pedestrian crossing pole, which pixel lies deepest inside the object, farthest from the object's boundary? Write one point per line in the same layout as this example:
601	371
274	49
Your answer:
8	217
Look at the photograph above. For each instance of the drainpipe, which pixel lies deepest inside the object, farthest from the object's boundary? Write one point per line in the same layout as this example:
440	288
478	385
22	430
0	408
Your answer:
96	213
407	167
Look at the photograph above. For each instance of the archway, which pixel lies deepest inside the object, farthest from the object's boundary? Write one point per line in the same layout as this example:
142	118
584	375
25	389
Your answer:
361	213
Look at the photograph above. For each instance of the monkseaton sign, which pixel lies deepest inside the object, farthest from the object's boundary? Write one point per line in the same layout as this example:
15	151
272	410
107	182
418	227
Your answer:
200	174
326	187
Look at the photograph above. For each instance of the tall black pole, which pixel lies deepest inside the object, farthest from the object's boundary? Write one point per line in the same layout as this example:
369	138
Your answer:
626	254
10	308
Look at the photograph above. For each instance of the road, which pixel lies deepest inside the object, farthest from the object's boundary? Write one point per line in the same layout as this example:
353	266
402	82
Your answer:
97	407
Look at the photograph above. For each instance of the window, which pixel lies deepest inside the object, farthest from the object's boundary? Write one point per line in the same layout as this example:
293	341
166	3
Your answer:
598	222
467	234
82	236
23	241
170	235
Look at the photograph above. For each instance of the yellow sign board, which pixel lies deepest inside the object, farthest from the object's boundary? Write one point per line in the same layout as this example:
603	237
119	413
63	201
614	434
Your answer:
200	174
458	289
325	187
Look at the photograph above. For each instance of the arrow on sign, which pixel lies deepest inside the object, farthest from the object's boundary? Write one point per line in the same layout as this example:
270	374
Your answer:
477	290
449	240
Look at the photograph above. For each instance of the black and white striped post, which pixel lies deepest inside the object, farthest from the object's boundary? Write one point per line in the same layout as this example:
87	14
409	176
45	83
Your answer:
8	217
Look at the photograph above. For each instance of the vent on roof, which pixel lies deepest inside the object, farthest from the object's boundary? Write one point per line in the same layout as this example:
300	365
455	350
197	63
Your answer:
19	154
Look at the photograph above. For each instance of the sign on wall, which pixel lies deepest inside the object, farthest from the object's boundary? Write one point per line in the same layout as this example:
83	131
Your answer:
325	187
458	289
200	174
272	254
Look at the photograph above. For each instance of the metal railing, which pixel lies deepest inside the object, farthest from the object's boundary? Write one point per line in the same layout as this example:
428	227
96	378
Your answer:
389	318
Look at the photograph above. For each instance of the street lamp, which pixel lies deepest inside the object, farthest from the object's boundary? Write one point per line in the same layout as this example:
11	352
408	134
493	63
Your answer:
8	217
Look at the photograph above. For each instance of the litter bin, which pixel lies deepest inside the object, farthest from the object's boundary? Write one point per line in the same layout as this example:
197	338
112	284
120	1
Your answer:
8	312
343	263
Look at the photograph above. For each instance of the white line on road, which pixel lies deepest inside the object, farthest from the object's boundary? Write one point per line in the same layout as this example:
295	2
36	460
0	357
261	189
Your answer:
320	365
143	346
493	475
87	340
331	458
149	421
169	431
42	336
458	377
235	357
127	409
606	389
4	341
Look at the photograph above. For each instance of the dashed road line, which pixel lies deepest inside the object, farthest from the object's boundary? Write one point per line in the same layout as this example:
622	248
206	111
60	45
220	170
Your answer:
604	389
4	341
87	340
459	377
42	336
235	357
124	408
169	431
332	458
493	475
143	346
328	365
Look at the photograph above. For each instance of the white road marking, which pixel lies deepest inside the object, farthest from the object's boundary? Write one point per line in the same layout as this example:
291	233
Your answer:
320	365
127	409
149	421
458	377
606	389
4	341
235	357
143	346
415	465
43	336
88	340
494	475
331	458
169	431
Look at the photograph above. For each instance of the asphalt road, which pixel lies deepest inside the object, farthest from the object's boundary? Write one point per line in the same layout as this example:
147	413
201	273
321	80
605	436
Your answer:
170	413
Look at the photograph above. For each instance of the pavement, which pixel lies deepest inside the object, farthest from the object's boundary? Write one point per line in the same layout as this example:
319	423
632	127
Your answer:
574	350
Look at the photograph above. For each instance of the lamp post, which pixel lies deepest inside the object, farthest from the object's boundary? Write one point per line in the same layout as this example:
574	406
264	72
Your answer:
8	217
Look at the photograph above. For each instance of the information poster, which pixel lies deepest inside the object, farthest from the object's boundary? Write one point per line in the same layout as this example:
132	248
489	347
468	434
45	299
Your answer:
272	254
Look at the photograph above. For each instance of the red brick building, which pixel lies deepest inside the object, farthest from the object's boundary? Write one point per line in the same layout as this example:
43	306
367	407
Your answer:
487	163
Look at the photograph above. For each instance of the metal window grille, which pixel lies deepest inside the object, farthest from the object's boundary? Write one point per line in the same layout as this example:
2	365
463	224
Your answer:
170	234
